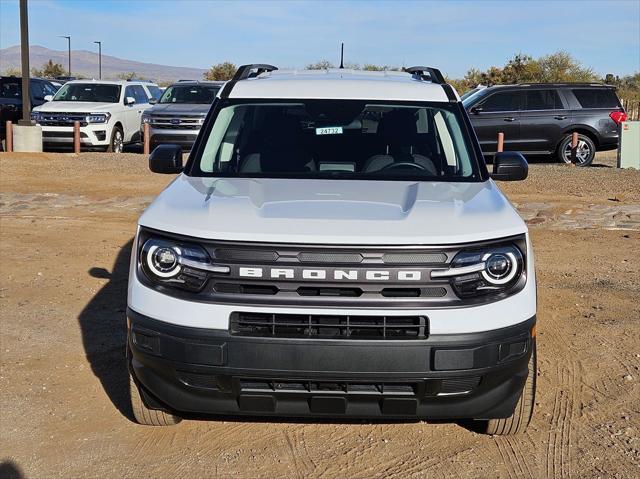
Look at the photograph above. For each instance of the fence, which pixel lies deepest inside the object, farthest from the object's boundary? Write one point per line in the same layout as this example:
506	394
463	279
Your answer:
632	107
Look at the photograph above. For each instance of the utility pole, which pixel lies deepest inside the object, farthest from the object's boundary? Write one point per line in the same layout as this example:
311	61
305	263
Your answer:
69	51
24	51
99	60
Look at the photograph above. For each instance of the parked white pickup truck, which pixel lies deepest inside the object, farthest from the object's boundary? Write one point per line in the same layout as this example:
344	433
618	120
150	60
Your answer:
109	113
334	247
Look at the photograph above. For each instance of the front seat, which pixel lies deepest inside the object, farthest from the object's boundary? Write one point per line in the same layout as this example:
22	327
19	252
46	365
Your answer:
282	149
399	133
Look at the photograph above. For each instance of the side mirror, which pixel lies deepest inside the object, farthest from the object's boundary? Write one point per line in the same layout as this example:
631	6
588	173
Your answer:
509	166
129	100
48	97
153	101
475	110
166	159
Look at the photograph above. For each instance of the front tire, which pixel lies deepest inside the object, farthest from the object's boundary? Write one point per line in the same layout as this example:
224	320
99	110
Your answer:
517	423
116	144
144	415
585	153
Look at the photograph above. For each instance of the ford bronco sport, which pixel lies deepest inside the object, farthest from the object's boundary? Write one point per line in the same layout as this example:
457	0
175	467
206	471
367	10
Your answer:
334	247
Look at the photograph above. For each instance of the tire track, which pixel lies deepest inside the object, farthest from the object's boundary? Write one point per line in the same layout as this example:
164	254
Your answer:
515	460
559	462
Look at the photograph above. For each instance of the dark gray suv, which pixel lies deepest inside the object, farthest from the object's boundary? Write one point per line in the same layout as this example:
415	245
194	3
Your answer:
177	117
538	119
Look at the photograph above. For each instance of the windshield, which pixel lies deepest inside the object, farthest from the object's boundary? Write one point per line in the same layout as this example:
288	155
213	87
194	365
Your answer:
337	139
155	91
89	92
469	96
197	94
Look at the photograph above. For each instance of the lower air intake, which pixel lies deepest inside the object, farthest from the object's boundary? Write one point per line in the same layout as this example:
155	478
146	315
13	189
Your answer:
328	326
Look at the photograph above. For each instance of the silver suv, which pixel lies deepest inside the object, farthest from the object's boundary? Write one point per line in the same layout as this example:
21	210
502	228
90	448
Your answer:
177	117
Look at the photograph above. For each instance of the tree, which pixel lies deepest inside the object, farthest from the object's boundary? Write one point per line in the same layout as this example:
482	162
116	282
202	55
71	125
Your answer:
522	68
320	65
12	72
221	72
126	76
561	67
49	70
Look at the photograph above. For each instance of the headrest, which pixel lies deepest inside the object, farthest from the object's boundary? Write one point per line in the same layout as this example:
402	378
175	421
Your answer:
398	127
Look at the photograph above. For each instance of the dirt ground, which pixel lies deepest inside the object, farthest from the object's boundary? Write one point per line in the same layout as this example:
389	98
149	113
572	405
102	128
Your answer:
66	227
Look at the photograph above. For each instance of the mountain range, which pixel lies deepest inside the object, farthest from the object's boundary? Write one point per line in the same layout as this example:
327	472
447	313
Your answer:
85	63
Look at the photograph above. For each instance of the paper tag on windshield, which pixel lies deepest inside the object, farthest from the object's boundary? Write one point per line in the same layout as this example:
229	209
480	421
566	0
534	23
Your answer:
329	130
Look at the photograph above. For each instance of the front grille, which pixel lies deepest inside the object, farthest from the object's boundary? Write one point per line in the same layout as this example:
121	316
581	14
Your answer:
328	387
328	326
302	256
62	119
175	122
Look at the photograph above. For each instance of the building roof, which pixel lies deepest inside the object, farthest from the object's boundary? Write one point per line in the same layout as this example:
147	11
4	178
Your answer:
343	84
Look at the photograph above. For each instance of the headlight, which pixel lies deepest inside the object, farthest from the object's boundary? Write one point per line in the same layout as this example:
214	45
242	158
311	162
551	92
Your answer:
35	116
493	270
145	119
177	264
98	117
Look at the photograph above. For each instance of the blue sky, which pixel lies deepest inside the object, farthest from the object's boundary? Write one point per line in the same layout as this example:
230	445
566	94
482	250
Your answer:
453	35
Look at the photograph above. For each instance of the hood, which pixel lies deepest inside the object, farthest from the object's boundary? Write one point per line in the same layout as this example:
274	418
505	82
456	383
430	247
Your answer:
75	106
333	211
180	108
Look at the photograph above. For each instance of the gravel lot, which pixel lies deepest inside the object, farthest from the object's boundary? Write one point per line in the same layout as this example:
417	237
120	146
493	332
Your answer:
66	227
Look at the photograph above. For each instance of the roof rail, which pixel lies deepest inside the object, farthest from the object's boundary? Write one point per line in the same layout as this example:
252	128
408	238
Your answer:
434	74
564	84
244	72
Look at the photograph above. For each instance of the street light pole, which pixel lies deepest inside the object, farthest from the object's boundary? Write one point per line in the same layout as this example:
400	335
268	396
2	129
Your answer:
69	50
24	51
99	60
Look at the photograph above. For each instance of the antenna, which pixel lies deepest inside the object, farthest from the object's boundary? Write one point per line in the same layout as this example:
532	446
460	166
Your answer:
342	55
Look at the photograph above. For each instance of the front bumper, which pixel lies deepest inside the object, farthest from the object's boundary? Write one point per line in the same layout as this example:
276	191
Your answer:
448	376
183	137
95	135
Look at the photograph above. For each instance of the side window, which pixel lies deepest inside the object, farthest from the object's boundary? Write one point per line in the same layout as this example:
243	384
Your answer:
129	92
49	89
596	97
155	91
542	100
140	95
503	101
11	89
37	90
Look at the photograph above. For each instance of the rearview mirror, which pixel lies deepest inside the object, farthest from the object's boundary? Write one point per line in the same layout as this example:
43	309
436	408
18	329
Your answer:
166	159
48	97
509	166
153	101
129	100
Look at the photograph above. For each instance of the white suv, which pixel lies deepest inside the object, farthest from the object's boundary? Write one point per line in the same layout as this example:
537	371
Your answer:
108	111
334	247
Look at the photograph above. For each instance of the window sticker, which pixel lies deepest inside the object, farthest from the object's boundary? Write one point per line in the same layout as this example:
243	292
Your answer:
329	130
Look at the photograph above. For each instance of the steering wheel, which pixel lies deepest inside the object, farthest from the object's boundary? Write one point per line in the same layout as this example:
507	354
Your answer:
403	164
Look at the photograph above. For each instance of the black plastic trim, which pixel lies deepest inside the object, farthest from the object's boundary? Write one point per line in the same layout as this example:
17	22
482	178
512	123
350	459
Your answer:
197	370
244	72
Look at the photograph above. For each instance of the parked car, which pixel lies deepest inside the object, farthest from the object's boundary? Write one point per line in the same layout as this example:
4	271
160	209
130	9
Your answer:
539	119
334	247
11	98
177	117
108	111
